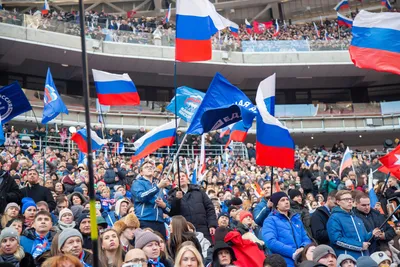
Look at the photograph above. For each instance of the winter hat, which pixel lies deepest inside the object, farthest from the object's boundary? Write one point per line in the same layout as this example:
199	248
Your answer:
119	226
294	193
131	221
231	208
343	257
76	210
11	204
84	215
65	211
236	201
67	233
221	245
366	261
26	203
321	251
78	189
142	238
101	221
380	256
244	214
118	195
275	197
9	232
348	183
223	214
311	264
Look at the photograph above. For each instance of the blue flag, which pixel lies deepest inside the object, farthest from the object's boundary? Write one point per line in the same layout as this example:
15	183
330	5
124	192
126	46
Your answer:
188	101
13	102
222	105
2	138
53	104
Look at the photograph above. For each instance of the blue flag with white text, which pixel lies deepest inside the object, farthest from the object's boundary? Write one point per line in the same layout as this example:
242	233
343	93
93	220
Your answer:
188	101
13	102
53	104
222	105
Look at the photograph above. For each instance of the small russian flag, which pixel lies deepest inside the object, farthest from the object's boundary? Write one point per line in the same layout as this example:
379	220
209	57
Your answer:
344	21
80	138
342	5
316	30
115	89
234	29
276	28
168	15
248	26
387	4
46	8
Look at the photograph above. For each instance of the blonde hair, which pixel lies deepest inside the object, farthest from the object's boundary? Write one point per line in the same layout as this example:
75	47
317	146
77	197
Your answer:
182	251
19	254
5	219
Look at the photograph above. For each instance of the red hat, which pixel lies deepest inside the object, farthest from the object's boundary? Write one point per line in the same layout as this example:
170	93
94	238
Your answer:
245	214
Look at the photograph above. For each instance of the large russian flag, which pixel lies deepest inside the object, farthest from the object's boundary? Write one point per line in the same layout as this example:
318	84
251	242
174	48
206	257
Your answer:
387	4
115	89
274	145
80	138
347	161
163	135
376	41
344	21
342	5
193	31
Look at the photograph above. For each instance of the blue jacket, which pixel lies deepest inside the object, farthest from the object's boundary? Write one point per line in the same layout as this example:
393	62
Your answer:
261	212
284	236
145	194
347	233
110	218
29	236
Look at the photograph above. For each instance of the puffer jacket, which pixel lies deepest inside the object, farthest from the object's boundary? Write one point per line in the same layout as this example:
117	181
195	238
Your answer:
145	194
261	212
284	235
204	243
304	214
319	219
29	236
347	233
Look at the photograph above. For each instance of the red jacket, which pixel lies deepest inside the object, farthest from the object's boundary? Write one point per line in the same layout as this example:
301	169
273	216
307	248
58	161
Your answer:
247	252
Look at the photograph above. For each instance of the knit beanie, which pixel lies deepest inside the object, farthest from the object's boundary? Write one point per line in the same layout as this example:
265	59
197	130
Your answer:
83	216
142	238
67	233
26	203
275	197
63	212
231	208
321	251
366	261
9	232
11	204
294	193
223	214
244	214
236	201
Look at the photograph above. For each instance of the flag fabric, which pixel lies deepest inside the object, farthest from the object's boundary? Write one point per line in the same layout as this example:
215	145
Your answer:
188	101
115	89
130	13
222	105
80	138
53	104
2	137
234	28
327	38
186	166
260	27
194	173
257	190
238	133
347	161
387	4
219	164
376	41
248	26
217	21
225	131
193	31
101	110
344	21
342	5
316	30
81	158
168	15
276	33
274	145
392	159
163	135
393	172
46	8
120	145
202	156
13	102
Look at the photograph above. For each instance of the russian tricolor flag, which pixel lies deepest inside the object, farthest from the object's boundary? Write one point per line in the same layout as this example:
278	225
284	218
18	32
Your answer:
316	30
225	131
46	8
168	15
342	5
193	31
115	89
344	21
80	138
387	4
274	145
248	26
238	133
276	28
347	161
376	41
163	135
234	29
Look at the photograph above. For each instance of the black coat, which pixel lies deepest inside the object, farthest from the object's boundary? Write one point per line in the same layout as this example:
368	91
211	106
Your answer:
306	180
196	207
373	220
26	261
319	219
173	249
39	193
9	191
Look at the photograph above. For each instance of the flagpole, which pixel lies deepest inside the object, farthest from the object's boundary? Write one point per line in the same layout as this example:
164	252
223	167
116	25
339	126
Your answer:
176	126
86	92
44	153
272	180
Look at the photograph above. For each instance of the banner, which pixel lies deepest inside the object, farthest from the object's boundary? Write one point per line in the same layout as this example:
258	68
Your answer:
13	102
275	46
188	101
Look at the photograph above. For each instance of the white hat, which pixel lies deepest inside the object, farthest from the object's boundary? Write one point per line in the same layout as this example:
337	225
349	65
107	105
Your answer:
380	256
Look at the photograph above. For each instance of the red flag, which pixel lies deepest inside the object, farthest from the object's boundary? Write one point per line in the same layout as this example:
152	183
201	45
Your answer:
393	172
130	13
391	160
256	27
277	187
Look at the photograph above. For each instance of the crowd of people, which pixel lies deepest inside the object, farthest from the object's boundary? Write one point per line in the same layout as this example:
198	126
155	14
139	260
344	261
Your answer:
231	215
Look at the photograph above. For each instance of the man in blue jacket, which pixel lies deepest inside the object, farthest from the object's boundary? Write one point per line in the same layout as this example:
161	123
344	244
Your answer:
149	199
346	231
262	210
283	232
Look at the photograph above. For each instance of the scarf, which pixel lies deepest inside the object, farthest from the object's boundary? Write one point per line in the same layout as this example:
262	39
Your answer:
156	263
40	245
28	223
64	226
81	257
11	259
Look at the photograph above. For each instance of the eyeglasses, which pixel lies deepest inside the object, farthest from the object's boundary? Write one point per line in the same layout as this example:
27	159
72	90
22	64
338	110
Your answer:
347	199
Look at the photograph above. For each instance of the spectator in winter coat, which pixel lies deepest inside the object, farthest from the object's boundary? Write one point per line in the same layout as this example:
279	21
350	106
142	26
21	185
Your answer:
373	219
121	209
283	232
347	233
306	179
320	218
83	224
193	203
11	250
9	190
113	177
326	255
296	205
223	255
70	241
36	191
263	209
